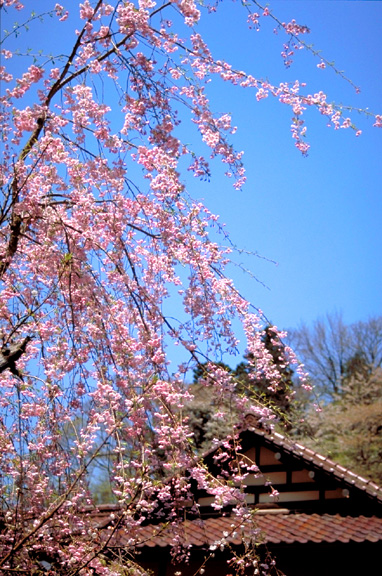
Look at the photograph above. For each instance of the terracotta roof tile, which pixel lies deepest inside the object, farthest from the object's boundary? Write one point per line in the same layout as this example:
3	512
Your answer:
275	528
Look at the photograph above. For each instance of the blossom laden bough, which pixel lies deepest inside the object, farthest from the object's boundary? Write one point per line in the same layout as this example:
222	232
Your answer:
97	234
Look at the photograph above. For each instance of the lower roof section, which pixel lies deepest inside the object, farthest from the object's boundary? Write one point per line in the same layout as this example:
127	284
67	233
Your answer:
273	527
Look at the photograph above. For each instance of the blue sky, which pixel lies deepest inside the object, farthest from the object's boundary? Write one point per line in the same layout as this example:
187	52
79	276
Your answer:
318	217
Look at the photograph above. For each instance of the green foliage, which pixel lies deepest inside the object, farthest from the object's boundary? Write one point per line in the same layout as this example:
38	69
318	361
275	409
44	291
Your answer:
349	433
344	363
208	418
253	383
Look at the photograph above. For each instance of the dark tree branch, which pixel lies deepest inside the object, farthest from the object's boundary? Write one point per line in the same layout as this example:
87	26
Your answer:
10	354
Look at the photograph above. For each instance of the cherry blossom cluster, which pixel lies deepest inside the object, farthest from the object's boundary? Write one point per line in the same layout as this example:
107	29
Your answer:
106	264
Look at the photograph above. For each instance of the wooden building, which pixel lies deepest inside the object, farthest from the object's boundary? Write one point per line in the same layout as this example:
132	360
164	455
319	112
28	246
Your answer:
325	520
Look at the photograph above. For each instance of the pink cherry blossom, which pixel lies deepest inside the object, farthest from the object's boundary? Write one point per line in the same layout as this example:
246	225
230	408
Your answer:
106	263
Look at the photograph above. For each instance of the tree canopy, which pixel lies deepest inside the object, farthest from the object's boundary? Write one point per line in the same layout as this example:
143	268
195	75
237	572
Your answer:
345	367
337	356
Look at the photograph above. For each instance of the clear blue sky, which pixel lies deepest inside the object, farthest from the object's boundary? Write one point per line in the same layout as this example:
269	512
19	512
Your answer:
318	217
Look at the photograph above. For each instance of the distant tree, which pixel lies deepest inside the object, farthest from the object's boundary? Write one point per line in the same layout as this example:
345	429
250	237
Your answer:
203	372
207	413
254	381
337	355
344	363
210	416
349	430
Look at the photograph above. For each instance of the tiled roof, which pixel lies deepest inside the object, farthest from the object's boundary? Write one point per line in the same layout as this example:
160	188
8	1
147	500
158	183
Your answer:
315	459
302	528
274	525
273	528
